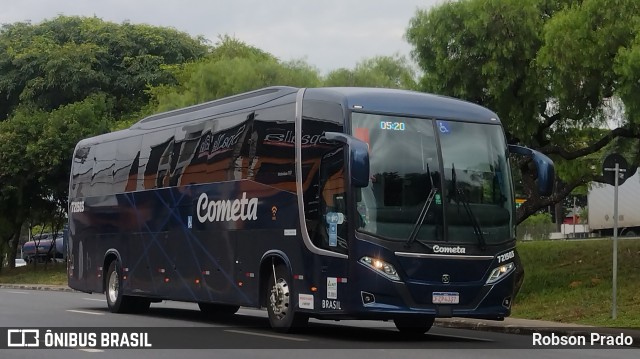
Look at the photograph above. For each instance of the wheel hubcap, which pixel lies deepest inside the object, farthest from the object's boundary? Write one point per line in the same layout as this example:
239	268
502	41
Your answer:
113	287
279	298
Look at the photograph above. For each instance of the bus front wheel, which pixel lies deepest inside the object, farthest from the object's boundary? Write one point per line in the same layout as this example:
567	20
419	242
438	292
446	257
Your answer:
280	302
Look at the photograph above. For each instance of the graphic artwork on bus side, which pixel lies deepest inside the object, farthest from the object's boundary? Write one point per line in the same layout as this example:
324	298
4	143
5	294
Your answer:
227	210
223	142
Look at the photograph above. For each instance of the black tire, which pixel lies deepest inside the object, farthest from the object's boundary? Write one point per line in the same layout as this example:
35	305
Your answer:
281	304
218	311
117	302
414	325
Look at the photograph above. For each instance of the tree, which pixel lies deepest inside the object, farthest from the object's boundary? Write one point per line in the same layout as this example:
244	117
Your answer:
232	67
63	80
381	71
549	68
65	59
35	159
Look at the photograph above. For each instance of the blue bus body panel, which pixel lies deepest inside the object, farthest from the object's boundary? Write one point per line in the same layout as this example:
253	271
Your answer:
172	248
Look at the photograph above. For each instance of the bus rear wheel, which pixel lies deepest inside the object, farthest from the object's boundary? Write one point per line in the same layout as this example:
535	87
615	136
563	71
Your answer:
414	326
280	303
116	301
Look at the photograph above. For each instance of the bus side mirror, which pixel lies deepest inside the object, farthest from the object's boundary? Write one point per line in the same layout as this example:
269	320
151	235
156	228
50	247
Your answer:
546	171
358	157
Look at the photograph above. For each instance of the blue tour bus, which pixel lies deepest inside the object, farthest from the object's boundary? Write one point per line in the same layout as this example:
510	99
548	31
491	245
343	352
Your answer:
331	203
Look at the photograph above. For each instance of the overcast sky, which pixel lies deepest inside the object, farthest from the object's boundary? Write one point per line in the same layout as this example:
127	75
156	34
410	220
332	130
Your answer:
329	34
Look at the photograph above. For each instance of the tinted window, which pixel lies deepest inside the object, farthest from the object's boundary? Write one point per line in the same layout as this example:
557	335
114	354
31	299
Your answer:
474	157
270	148
318	117
155	154
211	151
82	169
404	169
331	231
102	175
126	165
187	139
467	195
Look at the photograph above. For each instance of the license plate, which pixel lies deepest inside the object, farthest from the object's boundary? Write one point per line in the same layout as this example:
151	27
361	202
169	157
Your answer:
445	297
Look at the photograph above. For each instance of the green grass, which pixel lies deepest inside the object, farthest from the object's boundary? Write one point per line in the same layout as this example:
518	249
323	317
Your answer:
565	281
52	273
571	281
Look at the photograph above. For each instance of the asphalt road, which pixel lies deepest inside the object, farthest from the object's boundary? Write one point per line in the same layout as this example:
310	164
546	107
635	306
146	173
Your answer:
180	325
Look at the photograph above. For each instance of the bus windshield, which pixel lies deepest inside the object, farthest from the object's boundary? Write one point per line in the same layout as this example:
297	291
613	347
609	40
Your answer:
468	173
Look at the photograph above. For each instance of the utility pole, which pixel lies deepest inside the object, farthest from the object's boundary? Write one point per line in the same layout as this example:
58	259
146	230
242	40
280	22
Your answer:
615	172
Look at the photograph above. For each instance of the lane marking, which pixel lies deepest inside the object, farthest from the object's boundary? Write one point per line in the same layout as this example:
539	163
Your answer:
95	299
267	335
90	350
15	292
84	312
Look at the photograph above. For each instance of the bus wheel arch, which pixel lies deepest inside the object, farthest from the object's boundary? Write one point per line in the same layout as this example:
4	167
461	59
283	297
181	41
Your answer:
278	295
109	258
270	259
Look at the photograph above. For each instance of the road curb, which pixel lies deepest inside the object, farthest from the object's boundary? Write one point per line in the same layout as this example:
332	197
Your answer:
41	287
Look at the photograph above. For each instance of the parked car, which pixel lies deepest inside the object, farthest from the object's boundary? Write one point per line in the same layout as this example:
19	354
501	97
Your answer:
44	247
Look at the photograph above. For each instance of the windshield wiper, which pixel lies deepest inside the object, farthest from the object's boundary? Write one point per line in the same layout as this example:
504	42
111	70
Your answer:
423	213
474	221
461	197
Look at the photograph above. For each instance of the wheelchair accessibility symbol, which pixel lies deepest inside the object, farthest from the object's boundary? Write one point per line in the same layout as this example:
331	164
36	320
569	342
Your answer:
443	127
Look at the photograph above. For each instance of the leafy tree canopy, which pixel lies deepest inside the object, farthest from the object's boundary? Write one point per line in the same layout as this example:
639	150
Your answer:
381	71
65	59
232	67
66	79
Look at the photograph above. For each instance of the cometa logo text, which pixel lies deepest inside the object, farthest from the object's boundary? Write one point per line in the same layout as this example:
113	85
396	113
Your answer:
227	210
449	250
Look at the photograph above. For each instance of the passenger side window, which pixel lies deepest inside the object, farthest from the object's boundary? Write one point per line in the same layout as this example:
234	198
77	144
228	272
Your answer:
332	231
102	176
319	117
81	173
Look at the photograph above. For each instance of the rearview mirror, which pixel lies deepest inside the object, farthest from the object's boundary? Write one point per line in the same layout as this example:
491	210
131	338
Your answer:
546	171
358	157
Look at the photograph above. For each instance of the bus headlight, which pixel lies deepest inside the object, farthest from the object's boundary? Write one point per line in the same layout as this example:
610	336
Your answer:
380	267
500	272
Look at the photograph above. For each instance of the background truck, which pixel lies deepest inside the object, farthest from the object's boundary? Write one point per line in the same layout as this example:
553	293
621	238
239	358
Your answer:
45	247
600	204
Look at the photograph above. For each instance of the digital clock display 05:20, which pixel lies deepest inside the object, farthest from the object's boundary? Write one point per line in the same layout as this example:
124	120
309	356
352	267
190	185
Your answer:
390	125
